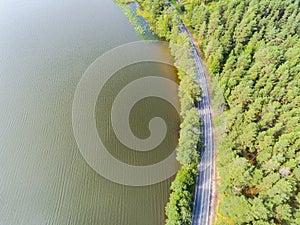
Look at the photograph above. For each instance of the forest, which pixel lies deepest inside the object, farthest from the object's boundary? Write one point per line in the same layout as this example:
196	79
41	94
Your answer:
252	49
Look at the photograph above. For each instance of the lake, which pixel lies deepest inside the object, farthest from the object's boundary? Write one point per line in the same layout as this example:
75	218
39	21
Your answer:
45	48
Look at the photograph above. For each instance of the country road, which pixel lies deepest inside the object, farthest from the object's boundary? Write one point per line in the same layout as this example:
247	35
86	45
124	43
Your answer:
202	212
203	201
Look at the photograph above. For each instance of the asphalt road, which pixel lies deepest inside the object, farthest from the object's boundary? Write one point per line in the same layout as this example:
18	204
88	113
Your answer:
202	212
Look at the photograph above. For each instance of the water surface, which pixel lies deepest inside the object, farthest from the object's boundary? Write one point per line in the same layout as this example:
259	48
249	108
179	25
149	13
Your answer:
45	47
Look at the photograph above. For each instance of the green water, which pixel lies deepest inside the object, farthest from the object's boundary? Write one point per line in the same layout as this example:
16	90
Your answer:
45	47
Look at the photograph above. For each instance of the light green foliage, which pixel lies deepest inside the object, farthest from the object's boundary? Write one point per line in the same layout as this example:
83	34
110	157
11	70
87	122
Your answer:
179	207
189	138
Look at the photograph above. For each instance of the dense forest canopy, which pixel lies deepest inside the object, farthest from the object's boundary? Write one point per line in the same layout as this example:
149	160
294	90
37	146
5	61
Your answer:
252	48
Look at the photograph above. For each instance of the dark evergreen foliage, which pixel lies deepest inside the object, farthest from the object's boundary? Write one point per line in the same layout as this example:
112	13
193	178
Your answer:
253	48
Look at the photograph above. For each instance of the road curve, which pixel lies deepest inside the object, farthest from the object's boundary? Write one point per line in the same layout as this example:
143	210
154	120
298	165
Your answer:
203	203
